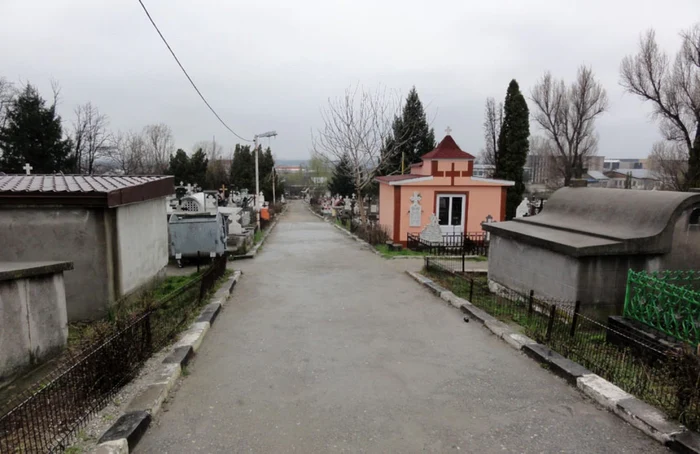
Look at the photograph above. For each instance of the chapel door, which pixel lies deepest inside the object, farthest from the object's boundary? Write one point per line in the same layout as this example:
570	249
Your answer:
451	210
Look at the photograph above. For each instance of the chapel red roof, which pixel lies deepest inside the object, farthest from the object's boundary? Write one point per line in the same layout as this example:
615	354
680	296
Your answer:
447	149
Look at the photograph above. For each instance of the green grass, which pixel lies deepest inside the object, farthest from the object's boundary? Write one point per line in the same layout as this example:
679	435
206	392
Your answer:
258	237
384	249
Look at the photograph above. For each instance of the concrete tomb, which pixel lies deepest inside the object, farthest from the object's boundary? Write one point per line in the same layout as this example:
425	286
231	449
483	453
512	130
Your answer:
33	318
581	246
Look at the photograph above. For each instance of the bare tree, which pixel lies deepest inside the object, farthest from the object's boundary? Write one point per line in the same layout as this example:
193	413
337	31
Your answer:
668	163
567	117
159	147
357	125
7	94
129	154
91	139
493	121
674	91
217	168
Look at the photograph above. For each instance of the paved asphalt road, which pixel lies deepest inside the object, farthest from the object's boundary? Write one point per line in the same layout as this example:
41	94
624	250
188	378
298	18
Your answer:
325	347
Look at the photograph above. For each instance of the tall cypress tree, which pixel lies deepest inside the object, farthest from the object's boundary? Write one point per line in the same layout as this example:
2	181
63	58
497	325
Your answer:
513	146
342	181
242	174
32	134
412	137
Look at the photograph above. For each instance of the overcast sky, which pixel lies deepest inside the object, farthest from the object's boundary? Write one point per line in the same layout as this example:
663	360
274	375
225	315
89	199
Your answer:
272	64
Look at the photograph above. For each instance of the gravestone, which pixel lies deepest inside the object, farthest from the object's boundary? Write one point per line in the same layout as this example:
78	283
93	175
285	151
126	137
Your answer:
432	232
523	209
245	218
415	210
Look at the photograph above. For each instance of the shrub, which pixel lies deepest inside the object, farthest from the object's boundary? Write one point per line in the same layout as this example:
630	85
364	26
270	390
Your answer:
372	233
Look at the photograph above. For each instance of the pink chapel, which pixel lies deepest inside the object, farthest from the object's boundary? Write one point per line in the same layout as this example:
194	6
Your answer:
442	184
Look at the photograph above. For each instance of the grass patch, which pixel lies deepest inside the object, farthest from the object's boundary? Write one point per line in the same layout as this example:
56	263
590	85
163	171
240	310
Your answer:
384	249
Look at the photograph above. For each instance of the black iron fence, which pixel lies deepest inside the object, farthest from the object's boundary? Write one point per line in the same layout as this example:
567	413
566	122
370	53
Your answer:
457	244
668	379
47	417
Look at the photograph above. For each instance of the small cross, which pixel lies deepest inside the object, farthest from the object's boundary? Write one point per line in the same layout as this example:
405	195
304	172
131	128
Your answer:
223	188
416	197
28	168
448	131
189	188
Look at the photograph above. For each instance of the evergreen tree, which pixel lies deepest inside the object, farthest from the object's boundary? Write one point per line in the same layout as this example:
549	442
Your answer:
32	134
197	172
342	181
180	167
513	146
242	173
266	164
412	137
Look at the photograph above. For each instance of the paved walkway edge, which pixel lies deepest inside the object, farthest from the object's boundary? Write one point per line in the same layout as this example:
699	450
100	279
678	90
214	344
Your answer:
641	415
253	252
351	235
126	432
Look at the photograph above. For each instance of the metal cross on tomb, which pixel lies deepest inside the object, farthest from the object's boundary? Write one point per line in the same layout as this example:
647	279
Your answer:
28	168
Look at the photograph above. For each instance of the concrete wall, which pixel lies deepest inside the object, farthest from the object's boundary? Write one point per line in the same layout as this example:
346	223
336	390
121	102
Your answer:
33	321
685	249
523	268
386	208
77	235
142	239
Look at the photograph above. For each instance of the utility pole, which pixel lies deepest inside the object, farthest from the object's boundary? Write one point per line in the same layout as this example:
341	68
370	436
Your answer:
274	199
257	173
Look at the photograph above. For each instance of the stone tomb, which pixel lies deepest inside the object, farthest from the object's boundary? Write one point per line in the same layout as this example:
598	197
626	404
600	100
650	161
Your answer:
33	318
581	246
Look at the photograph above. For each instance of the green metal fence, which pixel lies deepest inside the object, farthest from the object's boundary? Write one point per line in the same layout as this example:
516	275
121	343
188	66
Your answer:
667	301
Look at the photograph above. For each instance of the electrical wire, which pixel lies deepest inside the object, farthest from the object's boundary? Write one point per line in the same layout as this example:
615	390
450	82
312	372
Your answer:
188	76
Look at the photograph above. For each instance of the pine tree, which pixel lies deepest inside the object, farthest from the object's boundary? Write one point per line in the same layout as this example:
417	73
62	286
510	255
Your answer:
513	146
32	134
412	137
180	166
242	173
198	165
342	181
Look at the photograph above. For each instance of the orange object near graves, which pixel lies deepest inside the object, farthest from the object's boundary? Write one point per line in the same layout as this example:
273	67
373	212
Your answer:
265	214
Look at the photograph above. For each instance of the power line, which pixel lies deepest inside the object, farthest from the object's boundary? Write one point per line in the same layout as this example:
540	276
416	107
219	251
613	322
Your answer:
188	76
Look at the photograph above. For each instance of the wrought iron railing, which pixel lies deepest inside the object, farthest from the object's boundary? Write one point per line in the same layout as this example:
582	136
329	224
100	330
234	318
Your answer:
469	243
665	378
666	301
48	416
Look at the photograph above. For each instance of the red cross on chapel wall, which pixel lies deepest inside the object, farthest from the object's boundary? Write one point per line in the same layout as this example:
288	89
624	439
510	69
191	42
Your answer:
450	173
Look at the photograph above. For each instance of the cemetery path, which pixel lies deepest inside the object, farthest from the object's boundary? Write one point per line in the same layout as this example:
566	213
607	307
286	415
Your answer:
325	348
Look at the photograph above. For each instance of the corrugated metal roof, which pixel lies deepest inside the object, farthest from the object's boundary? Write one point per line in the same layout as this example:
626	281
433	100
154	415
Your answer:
83	189
642	174
71	183
596	175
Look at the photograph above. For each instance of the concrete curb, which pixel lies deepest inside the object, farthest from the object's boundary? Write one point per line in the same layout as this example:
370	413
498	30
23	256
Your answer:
649	420
126	432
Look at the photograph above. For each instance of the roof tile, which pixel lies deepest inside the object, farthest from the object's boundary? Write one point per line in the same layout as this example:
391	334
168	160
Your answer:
447	149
